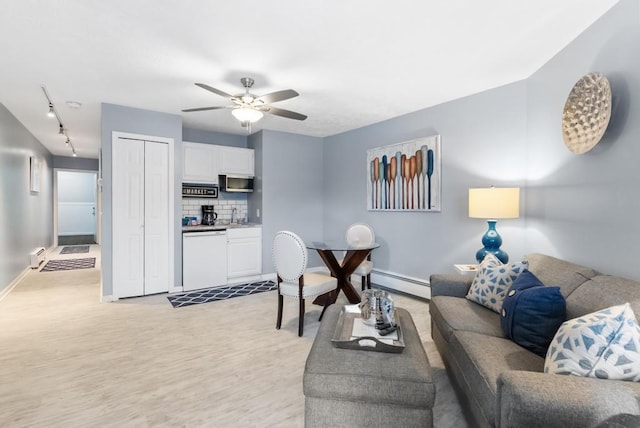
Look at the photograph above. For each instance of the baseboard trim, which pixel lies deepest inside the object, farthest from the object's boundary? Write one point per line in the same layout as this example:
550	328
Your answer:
5	291
391	280
402	283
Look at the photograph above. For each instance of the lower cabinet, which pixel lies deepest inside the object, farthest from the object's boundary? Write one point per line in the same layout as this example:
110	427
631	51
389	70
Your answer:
244	252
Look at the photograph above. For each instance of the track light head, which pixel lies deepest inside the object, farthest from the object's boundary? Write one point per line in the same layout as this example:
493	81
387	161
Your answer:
51	113
61	130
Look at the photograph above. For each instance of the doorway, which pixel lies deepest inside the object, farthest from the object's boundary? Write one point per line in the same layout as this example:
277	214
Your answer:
76	207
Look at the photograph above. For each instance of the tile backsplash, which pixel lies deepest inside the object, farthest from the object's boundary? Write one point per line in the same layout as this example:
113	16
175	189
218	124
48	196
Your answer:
192	207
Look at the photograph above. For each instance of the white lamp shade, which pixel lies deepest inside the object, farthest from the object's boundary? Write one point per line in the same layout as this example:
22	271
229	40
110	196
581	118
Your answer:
494	202
247	114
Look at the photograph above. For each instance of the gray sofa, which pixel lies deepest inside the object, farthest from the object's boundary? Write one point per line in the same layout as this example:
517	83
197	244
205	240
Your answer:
502	384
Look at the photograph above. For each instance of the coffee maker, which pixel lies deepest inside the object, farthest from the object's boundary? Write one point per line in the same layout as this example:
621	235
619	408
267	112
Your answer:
208	215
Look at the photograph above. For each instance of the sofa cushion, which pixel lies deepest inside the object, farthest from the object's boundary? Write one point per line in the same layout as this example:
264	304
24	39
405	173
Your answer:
604	344
532	313
483	358
455	313
492	281
601	292
566	275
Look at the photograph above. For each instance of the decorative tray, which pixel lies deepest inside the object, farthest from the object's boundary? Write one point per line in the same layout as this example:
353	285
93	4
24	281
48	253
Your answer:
343	336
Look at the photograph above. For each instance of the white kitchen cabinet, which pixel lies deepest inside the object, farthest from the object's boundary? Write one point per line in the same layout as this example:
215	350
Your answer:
244	252
236	160
200	163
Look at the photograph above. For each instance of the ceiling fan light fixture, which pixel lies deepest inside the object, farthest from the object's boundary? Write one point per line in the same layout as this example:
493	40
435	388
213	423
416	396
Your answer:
247	114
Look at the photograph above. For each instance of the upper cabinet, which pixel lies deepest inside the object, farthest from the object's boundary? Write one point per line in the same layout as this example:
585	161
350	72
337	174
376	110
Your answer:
200	163
235	160
203	162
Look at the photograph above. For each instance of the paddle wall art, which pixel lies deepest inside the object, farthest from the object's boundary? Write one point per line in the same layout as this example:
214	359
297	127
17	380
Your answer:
405	176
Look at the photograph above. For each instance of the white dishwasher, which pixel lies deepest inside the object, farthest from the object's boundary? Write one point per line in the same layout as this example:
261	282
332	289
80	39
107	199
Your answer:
204	259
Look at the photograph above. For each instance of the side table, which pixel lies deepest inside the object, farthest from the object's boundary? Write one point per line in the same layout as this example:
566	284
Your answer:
466	269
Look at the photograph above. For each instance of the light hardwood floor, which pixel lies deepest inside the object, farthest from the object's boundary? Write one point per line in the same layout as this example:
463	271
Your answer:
68	360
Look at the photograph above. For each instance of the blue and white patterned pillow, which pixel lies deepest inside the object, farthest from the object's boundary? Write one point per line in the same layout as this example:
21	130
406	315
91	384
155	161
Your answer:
603	344
492	281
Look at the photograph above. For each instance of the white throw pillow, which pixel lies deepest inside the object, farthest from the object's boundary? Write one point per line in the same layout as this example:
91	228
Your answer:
603	344
492	281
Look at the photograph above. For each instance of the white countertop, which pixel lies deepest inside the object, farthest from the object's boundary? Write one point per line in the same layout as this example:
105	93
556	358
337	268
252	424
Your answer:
205	228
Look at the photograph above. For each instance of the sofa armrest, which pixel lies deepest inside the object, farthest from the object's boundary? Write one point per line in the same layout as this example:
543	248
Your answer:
455	285
548	400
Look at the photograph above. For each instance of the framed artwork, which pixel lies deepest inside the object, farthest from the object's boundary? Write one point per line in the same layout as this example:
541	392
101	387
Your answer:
34	176
405	176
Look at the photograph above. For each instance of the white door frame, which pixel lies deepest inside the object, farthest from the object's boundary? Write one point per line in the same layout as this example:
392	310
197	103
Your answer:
98	202
115	135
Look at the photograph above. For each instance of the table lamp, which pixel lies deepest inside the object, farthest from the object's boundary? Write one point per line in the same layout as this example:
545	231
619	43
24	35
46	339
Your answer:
493	203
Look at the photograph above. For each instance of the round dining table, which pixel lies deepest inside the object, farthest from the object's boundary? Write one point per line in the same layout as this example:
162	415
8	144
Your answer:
353	256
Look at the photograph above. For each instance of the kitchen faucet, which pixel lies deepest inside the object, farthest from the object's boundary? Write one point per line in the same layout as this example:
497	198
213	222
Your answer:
234	215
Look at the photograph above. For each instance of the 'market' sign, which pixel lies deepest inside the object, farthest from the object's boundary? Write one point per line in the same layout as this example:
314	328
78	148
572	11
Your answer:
199	191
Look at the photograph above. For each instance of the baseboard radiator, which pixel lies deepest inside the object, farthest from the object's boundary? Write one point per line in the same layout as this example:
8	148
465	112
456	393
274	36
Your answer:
403	283
36	257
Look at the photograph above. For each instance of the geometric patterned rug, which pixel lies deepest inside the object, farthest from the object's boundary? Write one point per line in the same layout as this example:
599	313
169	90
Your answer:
220	293
69	264
76	249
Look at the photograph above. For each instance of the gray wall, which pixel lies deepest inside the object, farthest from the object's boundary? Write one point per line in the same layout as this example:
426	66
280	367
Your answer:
26	218
210	137
585	207
66	162
254	200
482	144
144	122
291	183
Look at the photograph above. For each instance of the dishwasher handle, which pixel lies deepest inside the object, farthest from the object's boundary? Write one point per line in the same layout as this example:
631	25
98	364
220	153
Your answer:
206	233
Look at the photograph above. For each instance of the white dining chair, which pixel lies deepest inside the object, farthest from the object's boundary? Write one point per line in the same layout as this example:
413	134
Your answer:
290	259
362	234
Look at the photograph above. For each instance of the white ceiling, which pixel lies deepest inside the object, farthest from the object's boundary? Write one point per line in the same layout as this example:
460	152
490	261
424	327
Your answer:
354	62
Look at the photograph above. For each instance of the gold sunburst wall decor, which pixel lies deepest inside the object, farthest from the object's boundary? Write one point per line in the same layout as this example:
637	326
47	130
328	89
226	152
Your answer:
586	113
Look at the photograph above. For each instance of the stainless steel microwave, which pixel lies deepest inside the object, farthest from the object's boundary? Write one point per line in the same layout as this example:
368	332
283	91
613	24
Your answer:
235	183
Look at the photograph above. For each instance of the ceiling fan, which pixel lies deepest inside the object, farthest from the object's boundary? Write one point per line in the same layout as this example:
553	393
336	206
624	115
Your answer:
249	108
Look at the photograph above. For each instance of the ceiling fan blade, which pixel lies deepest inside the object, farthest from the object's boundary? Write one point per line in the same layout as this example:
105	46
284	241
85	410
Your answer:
214	90
285	113
201	109
278	96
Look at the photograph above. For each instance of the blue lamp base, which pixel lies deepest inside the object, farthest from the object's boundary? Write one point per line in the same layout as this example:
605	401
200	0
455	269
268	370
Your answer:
492	241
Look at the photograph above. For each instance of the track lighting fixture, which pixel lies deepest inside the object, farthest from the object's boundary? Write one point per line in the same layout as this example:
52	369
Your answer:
61	129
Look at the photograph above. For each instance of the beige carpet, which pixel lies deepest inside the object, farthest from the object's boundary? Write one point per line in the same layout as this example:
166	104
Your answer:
68	360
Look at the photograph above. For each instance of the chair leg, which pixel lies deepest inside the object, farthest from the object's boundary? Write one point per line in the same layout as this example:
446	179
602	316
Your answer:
279	321
369	281
301	318
363	282
326	305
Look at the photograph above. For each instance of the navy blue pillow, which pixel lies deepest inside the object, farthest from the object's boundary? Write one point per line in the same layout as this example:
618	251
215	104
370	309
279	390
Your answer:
532	313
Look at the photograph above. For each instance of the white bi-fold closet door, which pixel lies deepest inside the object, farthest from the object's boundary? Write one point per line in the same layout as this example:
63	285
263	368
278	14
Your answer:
141	220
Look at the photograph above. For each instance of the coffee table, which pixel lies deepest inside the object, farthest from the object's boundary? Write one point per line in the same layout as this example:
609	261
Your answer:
345	387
